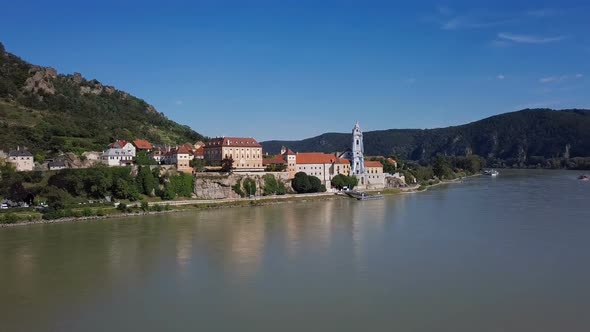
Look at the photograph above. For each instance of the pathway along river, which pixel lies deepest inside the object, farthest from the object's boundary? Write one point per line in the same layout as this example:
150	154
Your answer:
491	254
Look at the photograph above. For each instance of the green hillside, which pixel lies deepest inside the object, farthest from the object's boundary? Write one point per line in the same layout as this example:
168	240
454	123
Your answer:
50	112
523	137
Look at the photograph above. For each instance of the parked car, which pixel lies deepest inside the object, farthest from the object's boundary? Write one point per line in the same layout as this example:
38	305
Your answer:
3	206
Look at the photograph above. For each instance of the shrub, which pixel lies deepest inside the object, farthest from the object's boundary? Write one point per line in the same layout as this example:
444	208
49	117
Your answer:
87	212
122	207
145	206
237	188
11	218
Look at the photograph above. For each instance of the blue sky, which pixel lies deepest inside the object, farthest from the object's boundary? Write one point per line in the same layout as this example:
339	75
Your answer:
295	69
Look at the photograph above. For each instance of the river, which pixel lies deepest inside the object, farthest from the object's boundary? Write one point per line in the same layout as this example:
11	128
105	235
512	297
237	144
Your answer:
489	254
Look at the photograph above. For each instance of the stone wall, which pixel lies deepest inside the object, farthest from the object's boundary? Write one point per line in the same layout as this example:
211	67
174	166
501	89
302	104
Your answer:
210	185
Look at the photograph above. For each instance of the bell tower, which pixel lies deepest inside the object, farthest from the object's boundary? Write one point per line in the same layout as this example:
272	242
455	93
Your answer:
358	159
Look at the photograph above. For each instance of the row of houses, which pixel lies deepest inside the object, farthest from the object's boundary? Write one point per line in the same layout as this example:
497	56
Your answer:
245	154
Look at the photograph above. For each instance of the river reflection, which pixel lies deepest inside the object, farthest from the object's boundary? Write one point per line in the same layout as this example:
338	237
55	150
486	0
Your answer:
486	255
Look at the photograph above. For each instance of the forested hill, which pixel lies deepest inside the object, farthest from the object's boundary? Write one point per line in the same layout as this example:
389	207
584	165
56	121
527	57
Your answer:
49	112
515	137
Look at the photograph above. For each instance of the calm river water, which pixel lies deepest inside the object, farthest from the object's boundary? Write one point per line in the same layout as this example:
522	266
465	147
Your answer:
504	254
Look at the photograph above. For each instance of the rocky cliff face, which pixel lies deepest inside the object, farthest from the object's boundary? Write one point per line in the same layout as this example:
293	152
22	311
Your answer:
41	80
218	186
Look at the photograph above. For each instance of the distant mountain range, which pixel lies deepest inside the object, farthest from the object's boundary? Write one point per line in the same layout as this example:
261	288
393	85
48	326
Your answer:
515	137
48	112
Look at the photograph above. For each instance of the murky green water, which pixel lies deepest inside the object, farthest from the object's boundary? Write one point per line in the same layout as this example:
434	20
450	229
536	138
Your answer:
505	254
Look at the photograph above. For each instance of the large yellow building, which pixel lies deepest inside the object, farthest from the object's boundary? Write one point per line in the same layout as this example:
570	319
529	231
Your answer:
245	152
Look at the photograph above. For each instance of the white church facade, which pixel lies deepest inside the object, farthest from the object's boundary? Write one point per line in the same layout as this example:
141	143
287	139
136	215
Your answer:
368	177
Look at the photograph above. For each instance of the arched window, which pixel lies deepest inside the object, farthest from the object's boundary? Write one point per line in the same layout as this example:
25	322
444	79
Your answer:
357	142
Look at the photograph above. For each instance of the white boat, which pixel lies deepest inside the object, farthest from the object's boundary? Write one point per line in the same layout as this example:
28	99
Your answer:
491	172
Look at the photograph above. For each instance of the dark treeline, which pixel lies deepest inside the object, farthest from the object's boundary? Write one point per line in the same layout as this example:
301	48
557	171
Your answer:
528	138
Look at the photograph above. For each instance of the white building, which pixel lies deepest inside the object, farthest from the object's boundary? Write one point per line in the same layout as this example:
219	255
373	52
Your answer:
119	153
324	166
21	159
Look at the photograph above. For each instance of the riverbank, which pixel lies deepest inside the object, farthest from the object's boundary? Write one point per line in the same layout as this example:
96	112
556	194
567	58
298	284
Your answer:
183	206
196	204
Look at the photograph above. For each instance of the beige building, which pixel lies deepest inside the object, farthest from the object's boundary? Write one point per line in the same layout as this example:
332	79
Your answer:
291	159
324	166
245	152
22	160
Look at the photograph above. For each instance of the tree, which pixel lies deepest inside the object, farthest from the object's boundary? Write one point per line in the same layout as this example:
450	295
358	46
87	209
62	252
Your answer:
300	183
249	186
270	185
340	181
442	168
57	198
227	164
182	184
316	184
198	164
145	181
19	193
142	158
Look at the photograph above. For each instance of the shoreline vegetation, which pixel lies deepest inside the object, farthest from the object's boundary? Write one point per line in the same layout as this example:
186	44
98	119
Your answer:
105	192
179	206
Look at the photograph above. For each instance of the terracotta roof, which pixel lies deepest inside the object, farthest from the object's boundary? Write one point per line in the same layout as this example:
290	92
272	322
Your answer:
234	141
391	161
118	144
200	151
182	150
142	144
274	160
319	158
373	163
289	152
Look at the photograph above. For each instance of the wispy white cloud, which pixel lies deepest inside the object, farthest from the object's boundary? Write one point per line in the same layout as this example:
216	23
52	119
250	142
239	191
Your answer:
500	77
471	22
179	102
561	78
529	39
544	12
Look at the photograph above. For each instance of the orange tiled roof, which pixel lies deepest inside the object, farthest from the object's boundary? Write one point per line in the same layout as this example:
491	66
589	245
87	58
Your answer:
182	150
373	163
200	151
142	144
319	158
274	160
289	152
234	141
118	144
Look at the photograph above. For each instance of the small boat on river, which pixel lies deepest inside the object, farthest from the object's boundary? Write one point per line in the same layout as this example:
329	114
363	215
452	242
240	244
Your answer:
491	172
584	177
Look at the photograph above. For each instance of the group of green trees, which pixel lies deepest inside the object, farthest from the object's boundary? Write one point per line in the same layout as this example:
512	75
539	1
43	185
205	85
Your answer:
340	181
69	186
272	186
441	168
303	183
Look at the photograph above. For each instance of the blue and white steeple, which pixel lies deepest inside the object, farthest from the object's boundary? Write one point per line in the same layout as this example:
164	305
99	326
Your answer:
358	159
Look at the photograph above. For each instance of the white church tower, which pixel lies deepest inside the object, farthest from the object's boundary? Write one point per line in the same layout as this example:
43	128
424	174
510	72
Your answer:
358	159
